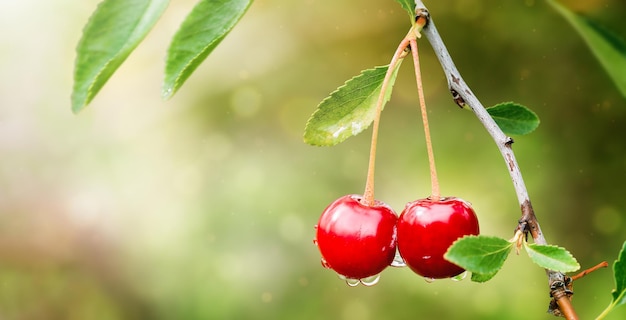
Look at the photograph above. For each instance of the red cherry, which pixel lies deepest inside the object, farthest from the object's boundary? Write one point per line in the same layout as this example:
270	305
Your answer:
355	240
427	228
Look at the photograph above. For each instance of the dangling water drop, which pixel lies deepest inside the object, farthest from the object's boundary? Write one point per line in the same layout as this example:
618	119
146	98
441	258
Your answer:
315	241
168	92
459	277
429	279
398	262
353	282
370	281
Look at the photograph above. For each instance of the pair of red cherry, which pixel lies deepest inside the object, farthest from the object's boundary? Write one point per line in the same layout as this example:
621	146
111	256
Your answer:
359	241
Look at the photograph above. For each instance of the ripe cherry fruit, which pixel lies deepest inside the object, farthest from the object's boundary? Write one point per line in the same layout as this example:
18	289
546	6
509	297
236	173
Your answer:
356	240
427	228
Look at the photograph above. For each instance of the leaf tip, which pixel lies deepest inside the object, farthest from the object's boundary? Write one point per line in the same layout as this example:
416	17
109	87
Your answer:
167	92
77	109
318	139
306	137
78	103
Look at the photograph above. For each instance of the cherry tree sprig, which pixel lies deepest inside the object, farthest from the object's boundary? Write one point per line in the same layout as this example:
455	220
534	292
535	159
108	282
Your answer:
463	96
352	107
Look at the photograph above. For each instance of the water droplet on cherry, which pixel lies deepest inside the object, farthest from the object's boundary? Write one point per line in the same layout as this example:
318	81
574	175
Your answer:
353	282
429	280
398	262
325	264
370	281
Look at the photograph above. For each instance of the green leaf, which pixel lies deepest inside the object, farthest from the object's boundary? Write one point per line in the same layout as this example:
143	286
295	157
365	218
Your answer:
480	277
619	271
111	34
203	29
482	255
608	48
551	257
619	293
350	109
513	118
409	7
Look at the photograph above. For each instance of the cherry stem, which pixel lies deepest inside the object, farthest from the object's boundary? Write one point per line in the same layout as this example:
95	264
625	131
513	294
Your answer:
435	194
368	195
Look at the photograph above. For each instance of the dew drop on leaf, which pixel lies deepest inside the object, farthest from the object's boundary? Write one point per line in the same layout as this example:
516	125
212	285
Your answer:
429	279
168	92
459	277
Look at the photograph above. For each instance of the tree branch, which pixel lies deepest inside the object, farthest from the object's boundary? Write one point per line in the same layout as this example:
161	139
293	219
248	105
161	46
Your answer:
463	96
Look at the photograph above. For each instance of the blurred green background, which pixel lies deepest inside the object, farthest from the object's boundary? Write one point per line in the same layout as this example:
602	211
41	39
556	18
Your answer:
203	207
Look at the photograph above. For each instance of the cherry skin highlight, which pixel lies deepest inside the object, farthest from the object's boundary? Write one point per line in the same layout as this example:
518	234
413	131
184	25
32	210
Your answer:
427	228
355	240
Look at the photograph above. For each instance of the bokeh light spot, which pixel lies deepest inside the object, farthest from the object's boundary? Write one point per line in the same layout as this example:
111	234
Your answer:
246	101
607	220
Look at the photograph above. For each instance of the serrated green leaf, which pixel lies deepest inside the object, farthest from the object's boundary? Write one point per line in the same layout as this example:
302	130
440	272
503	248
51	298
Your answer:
350	109
551	257
409	7
483	255
513	118
607	47
619	272
480	277
111	34
619	293
203	29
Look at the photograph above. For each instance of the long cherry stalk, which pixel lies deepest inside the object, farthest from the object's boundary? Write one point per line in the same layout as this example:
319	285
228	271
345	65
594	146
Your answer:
434	181
368	195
